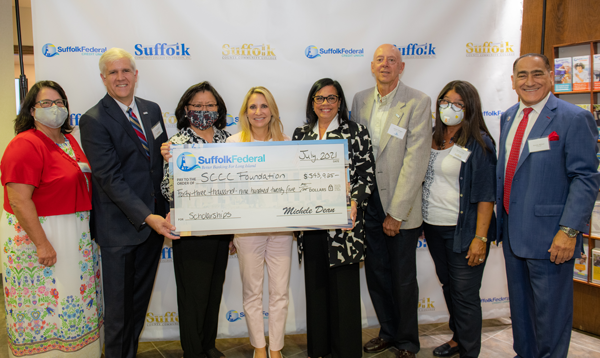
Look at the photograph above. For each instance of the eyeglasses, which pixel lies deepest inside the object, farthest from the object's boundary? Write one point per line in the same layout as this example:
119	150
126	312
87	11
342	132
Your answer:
331	99
456	107
200	107
45	103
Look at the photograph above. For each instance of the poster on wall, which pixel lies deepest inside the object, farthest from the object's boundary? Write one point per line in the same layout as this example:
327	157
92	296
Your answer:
286	47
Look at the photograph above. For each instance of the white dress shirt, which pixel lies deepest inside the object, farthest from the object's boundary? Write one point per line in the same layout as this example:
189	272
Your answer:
537	109
381	106
332	126
134	108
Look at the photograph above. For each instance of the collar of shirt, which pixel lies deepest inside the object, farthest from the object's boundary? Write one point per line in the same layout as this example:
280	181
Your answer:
382	101
536	107
332	126
134	108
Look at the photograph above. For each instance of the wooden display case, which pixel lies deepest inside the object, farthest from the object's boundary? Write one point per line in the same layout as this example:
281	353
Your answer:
586	295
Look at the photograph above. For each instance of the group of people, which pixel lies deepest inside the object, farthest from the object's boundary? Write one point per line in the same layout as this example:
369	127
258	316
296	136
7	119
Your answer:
405	177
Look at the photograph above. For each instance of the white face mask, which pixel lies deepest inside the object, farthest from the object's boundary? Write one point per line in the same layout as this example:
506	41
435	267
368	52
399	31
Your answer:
450	117
52	117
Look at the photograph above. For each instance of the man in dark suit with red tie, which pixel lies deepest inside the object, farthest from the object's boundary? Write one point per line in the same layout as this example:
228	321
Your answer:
121	136
547	183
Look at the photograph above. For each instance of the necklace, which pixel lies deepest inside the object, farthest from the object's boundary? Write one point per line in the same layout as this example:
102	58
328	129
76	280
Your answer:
442	147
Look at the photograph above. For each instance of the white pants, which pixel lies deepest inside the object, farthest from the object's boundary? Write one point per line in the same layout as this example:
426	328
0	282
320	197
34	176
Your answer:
253	251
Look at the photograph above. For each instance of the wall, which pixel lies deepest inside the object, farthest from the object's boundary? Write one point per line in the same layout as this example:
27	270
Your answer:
567	21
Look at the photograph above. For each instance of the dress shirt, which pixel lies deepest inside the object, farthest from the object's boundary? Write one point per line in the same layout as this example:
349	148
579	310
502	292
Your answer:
333	125
537	109
381	106
134	108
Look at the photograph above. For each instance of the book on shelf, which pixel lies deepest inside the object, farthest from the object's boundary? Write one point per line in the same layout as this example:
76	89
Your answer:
580	271
596	265
581	73
597	72
597	113
563	81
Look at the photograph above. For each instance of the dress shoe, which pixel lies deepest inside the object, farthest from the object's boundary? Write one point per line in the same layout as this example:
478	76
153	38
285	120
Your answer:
403	353
376	345
214	353
445	350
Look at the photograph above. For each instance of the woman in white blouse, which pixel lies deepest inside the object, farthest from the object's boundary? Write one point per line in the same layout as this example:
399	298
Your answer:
259	119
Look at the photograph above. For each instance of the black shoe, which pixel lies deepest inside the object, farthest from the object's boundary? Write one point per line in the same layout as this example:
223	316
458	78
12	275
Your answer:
214	353
376	345
445	350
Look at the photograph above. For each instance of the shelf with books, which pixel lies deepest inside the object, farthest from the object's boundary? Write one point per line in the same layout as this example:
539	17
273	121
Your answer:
577	73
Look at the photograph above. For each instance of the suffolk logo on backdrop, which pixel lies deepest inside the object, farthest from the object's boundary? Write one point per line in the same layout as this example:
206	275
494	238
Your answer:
490	49
417	51
248	52
162	51
158	319
314	52
50	50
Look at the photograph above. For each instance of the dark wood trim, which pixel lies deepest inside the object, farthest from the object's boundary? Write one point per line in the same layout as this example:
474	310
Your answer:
27	50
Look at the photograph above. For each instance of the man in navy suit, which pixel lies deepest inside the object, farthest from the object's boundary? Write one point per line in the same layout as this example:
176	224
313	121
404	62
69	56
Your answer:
121	136
547	184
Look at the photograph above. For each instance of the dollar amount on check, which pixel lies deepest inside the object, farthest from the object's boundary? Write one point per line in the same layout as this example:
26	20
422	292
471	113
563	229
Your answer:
260	187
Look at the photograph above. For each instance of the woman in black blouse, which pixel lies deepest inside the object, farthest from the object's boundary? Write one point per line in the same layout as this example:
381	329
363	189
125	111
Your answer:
199	261
331	257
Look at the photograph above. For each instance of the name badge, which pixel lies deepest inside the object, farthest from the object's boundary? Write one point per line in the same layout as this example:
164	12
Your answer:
396	131
538	145
85	168
460	153
157	130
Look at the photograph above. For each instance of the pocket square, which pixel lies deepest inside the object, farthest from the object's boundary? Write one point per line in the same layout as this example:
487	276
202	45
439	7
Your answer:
553	136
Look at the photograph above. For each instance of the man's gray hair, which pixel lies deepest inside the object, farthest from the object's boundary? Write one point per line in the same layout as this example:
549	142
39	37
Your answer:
112	55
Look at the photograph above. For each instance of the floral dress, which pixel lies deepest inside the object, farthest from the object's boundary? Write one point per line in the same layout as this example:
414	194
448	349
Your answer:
52	311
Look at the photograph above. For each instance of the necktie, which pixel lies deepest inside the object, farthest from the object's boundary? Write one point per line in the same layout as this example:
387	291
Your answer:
135	123
513	158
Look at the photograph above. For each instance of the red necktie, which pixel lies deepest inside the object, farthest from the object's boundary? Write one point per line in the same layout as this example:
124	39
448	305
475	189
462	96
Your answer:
513	158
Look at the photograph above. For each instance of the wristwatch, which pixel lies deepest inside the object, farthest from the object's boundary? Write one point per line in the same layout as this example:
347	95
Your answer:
484	239
570	232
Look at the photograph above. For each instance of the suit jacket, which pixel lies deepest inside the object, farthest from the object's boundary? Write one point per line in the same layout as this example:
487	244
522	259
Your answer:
126	185
553	187
401	164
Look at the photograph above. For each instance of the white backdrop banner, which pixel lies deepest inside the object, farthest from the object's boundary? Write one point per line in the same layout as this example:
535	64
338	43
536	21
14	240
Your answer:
285	46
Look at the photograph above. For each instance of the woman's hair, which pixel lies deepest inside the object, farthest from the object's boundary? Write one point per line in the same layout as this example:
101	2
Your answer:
25	120
472	124
275	126
311	116
112	55
183	121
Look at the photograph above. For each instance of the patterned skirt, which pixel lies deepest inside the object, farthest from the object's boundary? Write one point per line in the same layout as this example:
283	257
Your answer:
57	310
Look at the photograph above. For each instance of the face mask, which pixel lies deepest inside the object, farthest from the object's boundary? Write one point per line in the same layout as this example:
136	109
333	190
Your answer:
202	119
450	117
52	117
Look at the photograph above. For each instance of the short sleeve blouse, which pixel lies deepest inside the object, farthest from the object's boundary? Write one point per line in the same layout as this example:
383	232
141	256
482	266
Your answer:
60	184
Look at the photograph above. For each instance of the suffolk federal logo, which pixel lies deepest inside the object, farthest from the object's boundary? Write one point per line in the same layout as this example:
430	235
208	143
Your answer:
162	51
166	254
417	51
187	162
497	113
490	49
248	52
495	300
314	52
74	119
159	319
422	243
50	50
426	304
233	315
231	120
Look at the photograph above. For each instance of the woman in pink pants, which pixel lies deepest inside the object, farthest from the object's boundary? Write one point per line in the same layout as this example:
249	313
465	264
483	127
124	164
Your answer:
259	118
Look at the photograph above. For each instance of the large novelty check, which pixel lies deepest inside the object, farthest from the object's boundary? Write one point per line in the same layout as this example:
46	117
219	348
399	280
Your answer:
260	187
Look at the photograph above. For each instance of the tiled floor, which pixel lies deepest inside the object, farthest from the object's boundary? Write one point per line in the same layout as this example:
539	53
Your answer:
496	342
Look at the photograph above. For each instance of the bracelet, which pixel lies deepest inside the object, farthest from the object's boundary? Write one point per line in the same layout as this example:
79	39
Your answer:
484	239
